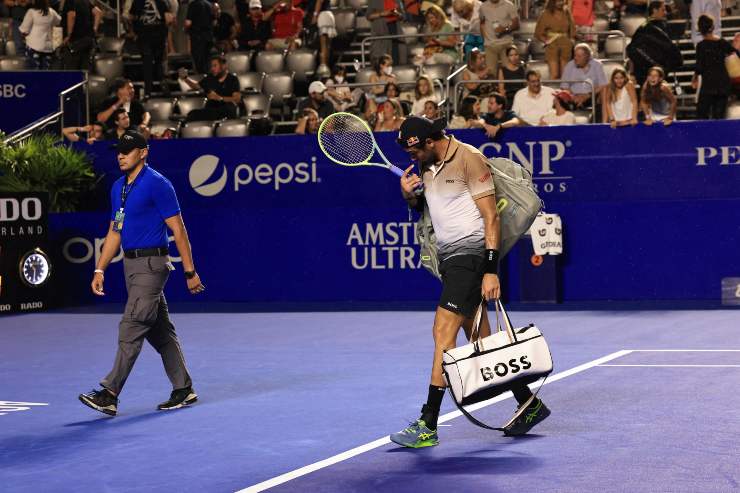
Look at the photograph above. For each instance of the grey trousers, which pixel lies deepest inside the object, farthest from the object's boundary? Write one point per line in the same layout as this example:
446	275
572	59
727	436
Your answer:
146	317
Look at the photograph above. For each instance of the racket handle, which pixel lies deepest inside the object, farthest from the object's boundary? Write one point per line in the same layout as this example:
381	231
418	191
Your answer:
396	170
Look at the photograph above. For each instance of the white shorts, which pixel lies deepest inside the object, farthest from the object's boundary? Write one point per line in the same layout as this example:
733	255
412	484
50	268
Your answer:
326	24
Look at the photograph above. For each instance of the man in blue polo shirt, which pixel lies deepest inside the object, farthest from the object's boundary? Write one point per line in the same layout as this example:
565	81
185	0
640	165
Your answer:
144	205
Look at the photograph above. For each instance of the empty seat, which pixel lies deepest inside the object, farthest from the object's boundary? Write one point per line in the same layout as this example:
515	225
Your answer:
406	74
357	4
279	86
614	46
10	49
436	71
629	24
197	130
97	89
232	128
239	61
270	62
160	108
109	44
541	67
257	103
302	62
363	75
345	21
12	63
251	81
526	28
189	103
110	67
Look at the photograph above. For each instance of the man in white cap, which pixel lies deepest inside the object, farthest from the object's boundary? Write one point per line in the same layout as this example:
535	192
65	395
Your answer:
317	100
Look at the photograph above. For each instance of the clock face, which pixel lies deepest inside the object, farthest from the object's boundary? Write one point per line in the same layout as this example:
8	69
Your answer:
35	268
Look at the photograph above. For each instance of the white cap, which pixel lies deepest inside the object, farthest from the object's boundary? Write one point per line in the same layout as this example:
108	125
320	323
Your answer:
255	4
316	86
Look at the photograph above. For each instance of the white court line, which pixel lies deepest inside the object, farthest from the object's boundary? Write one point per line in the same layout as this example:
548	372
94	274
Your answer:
677	366
685	350
284	478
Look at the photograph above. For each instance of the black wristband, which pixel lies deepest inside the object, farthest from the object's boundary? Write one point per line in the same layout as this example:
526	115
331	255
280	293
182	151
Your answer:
491	261
189	274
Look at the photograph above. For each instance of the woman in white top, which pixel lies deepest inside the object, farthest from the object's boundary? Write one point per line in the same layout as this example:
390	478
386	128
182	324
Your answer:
423	92
620	103
37	28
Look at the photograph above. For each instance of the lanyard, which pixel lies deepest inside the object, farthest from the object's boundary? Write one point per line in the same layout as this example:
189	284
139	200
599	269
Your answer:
126	188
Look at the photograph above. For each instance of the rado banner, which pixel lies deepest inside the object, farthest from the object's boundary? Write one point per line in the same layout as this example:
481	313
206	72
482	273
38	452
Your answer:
652	213
25	259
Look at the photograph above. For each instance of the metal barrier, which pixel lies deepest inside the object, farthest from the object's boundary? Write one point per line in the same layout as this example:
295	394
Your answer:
24	133
87	99
405	36
498	81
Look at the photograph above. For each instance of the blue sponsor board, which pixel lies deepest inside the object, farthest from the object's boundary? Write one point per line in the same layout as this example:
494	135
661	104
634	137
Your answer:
27	96
649	213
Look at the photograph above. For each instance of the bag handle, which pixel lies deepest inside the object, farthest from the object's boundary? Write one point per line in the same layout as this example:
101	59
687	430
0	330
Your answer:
507	321
475	337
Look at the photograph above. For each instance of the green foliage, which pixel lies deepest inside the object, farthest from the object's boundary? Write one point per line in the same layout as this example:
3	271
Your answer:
40	164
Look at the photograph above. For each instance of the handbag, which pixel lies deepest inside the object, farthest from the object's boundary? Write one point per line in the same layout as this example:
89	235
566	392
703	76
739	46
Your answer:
489	366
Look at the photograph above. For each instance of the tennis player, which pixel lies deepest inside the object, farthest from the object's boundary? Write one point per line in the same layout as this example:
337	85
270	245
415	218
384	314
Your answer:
459	192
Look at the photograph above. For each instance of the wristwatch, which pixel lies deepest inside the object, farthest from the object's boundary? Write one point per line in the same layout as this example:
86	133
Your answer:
189	274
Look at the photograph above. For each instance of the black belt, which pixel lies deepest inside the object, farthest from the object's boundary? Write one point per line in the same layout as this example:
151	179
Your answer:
146	252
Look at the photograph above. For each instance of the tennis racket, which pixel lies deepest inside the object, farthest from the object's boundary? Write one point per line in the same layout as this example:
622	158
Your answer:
346	139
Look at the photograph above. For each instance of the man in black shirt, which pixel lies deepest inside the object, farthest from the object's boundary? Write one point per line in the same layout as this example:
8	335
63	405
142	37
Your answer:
222	91
148	18
123	97
199	23
317	100
225	30
498	116
122	123
255	30
651	46
80	21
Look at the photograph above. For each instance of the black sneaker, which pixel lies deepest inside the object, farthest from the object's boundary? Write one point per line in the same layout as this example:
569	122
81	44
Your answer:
179	398
101	400
528	415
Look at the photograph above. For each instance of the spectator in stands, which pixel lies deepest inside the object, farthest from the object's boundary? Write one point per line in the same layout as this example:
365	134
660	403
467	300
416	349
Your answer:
423	92
414	15
635	7
123	98
476	70
469	114
320	18
466	18
384	17
499	20
656	99
287	24
94	133
584	13
431	110
382	72
534	101
224	31
340	97
712	8
716	86
498	117
651	45
513	69
148	17
199	24
36	29
620	100
222	92
170	20
309	122
121	124
18	9
561	113
557	31
392	91
317	100
390	117
81	21
439	48
256	30
583	68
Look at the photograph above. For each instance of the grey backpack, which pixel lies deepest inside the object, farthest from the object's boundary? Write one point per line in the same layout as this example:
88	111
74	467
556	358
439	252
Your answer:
516	202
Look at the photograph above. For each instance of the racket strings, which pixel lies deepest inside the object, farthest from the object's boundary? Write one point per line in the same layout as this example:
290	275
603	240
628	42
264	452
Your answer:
346	139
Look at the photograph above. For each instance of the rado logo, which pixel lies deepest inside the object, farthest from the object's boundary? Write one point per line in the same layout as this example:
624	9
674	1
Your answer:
502	369
28	209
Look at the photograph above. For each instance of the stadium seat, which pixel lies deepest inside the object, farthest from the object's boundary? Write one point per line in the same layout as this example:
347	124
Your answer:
409	29
357	4
629	24
536	49
251	81
12	63
363	75
345	21
110	67
601	25
613	47
733	111
161	109
362	24
197	130
437	71
232	128
582	119
257	103
280	87
416	49
239	61
270	62
541	67
97	89
4	28
302	62
526	28
189	103
407	74
10	49
113	45
158	127
523	46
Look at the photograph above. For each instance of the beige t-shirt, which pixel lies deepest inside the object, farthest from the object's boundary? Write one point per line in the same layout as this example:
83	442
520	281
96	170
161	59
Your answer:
451	188
494	15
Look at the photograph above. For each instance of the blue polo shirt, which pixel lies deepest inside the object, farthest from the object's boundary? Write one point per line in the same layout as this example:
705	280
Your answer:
150	201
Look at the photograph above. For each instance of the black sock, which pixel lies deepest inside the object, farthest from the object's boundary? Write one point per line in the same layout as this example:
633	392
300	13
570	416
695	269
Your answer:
430	410
522	394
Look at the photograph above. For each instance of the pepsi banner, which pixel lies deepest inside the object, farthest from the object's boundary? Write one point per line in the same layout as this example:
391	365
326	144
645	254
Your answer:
28	96
648	213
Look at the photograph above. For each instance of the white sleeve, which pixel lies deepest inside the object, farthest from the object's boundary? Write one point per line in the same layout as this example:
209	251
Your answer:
27	23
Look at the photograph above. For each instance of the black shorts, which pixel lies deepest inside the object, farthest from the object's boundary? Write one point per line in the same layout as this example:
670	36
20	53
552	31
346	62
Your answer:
462	276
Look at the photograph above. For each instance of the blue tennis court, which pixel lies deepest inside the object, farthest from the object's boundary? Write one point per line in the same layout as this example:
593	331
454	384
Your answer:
303	402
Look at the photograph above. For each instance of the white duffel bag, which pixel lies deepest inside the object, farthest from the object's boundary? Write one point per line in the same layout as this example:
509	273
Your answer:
489	366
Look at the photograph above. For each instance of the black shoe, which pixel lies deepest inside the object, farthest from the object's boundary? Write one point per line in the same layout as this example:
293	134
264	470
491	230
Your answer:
101	400
179	398
526	417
